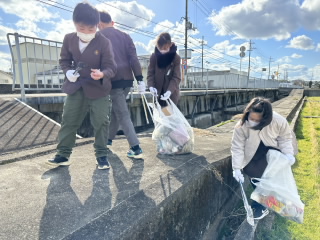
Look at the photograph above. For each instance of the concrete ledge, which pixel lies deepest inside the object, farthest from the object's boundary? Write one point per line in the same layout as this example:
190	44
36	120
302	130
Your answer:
162	197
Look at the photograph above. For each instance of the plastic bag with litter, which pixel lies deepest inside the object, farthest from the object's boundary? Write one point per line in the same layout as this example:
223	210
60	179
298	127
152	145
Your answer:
277	189
173	133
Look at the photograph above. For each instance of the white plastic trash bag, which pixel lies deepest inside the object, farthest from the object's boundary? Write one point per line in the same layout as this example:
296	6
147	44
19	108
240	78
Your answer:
277	189
173	133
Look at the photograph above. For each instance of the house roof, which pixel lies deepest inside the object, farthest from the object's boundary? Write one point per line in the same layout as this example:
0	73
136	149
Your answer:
6	73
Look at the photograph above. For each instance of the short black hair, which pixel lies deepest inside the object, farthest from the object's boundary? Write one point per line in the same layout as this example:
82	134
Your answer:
163	39
258	105
105	17
86	14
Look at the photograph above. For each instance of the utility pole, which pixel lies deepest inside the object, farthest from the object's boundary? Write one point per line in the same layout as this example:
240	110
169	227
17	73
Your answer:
270	60
202	56
186	36
250	49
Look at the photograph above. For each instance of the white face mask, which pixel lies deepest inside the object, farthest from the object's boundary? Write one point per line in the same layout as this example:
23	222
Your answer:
86	37
164	51
252	123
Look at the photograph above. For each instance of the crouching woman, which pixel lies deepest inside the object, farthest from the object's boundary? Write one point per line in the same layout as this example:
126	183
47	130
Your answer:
259	130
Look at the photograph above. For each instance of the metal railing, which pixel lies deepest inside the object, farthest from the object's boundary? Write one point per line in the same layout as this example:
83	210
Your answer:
196	78
35	64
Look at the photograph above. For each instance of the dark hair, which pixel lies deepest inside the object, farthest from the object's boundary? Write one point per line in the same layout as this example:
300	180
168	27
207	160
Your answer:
258	105
163	39
105	17
86	14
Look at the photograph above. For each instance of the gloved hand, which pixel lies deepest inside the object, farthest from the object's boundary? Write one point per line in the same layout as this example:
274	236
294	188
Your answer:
141	87
238	175
71	77
153	91
166	95
291	159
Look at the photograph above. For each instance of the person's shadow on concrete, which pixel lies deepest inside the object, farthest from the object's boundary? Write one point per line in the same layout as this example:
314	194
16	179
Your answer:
64	212
185	165
127	181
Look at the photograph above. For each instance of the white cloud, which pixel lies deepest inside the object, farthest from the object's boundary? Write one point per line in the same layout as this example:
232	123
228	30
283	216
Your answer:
294	55
261	19
124	17
27	10
164	26
301	42
3	34
5	61
265	19
142	49
288	59
318	47
60	30
28	28
310	14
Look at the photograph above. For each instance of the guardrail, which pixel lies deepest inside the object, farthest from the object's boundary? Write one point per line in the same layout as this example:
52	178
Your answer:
35	63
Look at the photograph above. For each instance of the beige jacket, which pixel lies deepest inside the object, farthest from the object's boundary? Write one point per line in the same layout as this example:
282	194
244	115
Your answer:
245	141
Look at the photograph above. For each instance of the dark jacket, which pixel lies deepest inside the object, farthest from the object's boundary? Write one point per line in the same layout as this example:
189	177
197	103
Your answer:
164	73
125	56
97	55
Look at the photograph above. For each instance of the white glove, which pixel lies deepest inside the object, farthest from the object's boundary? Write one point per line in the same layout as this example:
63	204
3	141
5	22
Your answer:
141	87
71	77
291	159
153	91
166	95
238	175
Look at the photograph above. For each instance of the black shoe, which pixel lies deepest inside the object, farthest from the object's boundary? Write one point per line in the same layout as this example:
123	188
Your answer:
59	161
103	163
137	154
109	142
259	211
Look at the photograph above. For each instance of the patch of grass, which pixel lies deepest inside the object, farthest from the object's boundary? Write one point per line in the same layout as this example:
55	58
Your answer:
306	172
223	123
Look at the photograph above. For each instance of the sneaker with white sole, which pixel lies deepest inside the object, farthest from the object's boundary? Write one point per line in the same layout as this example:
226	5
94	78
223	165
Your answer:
109	142
59	161
102	163
259	214
137	154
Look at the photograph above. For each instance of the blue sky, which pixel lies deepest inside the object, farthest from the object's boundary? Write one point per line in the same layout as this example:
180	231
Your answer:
286	30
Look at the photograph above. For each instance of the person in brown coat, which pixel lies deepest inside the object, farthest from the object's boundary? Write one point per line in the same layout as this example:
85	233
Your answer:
164	71
128	64
87	60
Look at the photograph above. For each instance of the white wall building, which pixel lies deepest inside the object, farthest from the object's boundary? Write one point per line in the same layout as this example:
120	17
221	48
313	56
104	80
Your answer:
5	77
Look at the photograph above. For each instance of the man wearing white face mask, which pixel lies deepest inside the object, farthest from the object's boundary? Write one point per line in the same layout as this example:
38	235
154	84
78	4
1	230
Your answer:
164	72
259	130
88	89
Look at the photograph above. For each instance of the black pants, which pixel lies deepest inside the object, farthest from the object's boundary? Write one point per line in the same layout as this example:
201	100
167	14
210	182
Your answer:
258	163
256	167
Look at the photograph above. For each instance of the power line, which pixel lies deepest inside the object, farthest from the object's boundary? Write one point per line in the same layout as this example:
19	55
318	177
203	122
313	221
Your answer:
151	34
120	9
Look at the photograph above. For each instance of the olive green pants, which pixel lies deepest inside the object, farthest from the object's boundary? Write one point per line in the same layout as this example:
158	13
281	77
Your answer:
75	108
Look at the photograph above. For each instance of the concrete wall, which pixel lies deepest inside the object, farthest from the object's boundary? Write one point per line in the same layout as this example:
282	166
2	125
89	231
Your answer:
202	108
312	93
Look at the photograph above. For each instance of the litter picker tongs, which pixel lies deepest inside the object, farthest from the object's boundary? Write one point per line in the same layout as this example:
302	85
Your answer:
248	208
80	66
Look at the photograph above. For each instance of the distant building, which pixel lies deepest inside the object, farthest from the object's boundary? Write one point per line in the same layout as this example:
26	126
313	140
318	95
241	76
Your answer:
36	58
5	77
54	76
144	62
